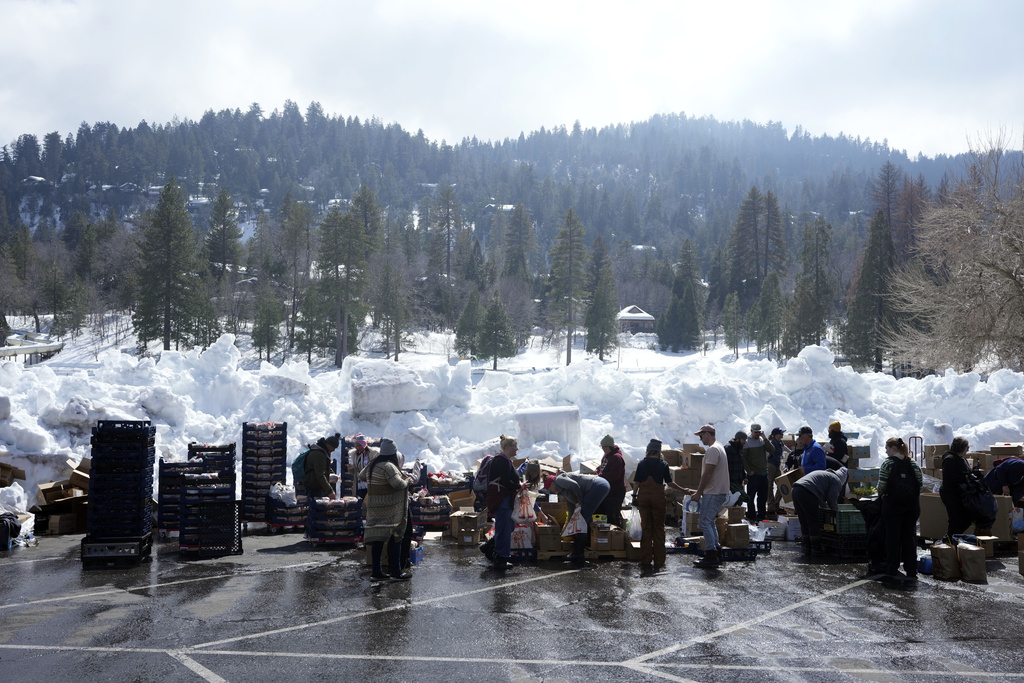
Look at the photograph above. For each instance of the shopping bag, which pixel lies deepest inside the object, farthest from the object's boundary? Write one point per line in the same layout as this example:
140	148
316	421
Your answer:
576	523
636	532
522	537
944	562
972	562
522	508
1017	519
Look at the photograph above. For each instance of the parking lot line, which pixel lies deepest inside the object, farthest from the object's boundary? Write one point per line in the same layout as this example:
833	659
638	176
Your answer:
749	622
359	615
196	667
150	586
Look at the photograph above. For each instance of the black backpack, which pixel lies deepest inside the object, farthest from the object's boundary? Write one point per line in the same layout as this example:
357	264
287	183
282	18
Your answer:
902	485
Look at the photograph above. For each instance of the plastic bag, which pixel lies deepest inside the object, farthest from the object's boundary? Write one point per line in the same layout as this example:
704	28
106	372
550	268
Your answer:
757	533
636	532
284	493
689	505
522	537
576	523
1017	519
733	498
522	508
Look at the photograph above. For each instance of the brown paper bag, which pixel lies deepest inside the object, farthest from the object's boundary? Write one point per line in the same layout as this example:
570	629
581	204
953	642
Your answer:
944	562
972	562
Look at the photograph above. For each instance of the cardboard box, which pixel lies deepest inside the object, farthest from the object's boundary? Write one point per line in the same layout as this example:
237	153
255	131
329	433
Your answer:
633	551
66	523
689	479
567	463
793	532
935	449
776	530
935	462
786	481
54	490
673	457
461	500
859	452
692	461
618	539
1004	449
721	526
693	448
590	466
463	521
8	473
934	521
468	537
689	523
556	511
737	536
986	460
735	514
601	539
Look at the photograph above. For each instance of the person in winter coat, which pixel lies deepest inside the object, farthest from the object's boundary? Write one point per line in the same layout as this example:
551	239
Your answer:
502	488
755	463
587	491
775	468
650	479
387	508
840	448
899	485
613	470
734	456
813	455
955	471
809	492
318	467
1007	479
359	457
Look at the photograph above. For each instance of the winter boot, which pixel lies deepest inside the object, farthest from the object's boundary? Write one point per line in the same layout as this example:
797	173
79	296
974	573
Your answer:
487	548
579	545
711	560
501	563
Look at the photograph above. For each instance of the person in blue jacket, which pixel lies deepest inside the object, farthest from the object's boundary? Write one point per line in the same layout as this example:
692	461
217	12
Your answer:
813	454
1007	479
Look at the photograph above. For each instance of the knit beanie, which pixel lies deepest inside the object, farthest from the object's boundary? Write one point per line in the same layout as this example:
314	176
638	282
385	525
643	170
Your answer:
835	426
333	440
387	447
654	446
608	441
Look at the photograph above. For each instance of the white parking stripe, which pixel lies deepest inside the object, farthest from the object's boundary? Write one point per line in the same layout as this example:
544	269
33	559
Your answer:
749	622
150	586
198	668
406	605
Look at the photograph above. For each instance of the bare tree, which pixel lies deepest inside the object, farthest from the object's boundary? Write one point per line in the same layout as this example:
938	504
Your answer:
962	300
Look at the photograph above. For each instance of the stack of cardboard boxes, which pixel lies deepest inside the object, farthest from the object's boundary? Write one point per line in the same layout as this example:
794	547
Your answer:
62	506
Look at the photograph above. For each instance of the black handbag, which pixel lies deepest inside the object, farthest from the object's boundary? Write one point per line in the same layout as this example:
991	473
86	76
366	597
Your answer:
979	501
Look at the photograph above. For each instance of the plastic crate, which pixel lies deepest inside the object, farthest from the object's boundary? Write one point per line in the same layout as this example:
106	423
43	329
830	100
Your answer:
734	554
98	552
761	546
210	530
123	430
846	520
845	545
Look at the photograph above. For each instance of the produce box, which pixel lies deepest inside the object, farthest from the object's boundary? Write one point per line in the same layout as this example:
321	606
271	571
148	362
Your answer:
735	514
1002	450
737	536
672	456
786	481
692	461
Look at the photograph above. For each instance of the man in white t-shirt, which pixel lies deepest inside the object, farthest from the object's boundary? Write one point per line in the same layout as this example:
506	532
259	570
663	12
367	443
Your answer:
711	493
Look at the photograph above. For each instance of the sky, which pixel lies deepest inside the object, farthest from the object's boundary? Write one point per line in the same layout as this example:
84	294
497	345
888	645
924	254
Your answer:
928	76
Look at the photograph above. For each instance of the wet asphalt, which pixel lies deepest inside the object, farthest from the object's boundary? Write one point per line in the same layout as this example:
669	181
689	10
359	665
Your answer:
283	611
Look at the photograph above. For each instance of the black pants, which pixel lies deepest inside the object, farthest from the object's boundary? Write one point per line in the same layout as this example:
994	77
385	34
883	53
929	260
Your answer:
394	556
807	504
959	517
612	506
757	492
900	521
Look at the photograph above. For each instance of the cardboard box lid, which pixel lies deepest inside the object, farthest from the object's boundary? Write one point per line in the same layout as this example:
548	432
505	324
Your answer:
14	471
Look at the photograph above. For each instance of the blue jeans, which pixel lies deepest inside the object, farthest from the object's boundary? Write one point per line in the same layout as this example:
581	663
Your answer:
710	504
503	528
592	501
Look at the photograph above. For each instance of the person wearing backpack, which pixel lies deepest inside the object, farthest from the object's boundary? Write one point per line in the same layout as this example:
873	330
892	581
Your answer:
899	488
317	467
503	484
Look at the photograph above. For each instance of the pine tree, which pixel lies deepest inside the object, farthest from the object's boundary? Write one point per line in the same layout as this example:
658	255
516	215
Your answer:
732	322
815	286
390	299
342	266
468	327
518	243
496	339
744	247
223	242
601	321
769	313
169	267
870	316
568	273
266	325
679	327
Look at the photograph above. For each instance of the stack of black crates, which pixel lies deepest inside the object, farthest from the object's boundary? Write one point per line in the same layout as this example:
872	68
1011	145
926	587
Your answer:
431	512
264	461
335	521
120	522
202	458
209	524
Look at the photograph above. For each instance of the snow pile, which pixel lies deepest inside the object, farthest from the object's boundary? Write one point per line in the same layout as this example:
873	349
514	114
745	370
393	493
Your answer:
433	411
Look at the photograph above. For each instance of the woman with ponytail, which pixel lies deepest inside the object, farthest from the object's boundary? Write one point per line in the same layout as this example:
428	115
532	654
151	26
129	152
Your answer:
899	488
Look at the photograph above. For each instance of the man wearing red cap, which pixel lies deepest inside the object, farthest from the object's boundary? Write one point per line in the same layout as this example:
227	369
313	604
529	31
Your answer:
711	493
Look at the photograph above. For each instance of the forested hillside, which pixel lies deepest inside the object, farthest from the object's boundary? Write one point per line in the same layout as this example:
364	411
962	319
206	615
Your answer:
704	224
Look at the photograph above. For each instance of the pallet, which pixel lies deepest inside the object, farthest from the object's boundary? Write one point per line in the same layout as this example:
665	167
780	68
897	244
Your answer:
734	554
333	540
544	556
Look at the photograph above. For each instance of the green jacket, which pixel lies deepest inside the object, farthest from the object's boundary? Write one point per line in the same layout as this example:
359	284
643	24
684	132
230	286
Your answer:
318	470
755	455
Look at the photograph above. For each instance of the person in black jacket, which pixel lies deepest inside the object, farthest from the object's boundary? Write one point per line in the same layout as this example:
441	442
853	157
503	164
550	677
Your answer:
504	484
651	477
840	449
955	471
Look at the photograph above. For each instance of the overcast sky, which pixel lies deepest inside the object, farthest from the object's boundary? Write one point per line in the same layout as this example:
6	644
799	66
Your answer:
929	76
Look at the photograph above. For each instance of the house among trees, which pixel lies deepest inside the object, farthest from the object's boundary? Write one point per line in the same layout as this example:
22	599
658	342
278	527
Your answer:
634	319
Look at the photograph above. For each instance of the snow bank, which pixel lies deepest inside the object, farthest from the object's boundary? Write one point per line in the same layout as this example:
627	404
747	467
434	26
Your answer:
432	410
